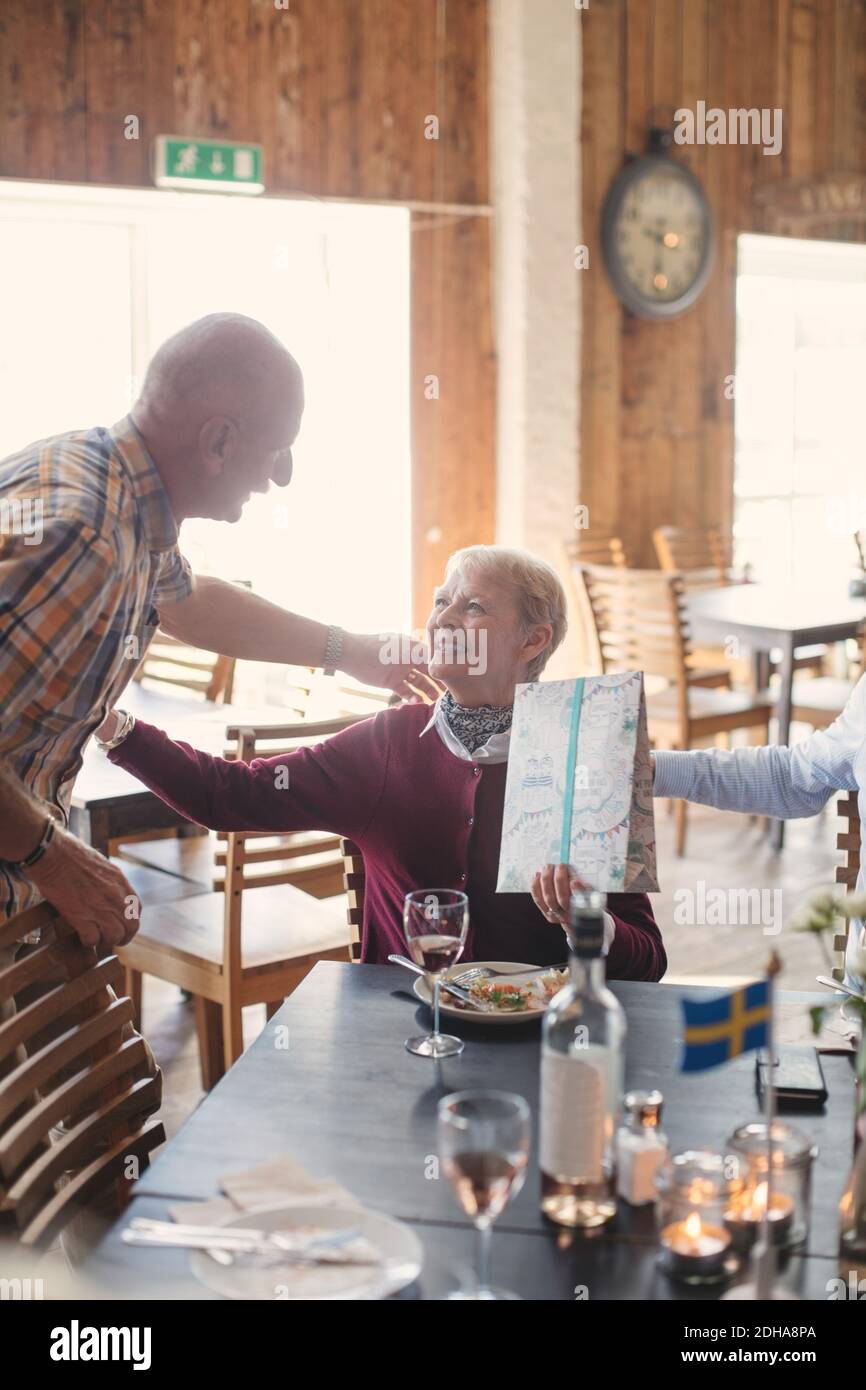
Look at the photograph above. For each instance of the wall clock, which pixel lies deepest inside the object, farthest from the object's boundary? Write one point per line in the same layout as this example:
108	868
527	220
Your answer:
657	236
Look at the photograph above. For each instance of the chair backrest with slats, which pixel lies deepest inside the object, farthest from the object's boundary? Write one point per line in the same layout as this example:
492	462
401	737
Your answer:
354	882
640	623
174	663
592	549
847	840
702	555
69	1057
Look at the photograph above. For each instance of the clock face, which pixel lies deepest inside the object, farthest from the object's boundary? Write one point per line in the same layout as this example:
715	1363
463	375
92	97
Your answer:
657	231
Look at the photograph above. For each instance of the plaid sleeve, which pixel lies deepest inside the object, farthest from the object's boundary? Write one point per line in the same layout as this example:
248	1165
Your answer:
174	581
52	597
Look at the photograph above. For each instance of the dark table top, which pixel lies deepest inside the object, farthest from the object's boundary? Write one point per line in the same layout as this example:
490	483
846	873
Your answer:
339	1093
537	1265
773	612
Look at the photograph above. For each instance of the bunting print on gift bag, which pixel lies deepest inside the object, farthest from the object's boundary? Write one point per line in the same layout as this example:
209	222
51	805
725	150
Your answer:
579	785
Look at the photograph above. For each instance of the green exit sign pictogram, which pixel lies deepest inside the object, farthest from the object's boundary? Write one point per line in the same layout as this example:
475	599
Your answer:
219	166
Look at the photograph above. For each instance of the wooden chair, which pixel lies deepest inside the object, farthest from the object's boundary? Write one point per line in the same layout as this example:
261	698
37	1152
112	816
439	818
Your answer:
354	884
270	917
171	662
703	556
821	700
848	840
703	553
70	1059
593	549
641	623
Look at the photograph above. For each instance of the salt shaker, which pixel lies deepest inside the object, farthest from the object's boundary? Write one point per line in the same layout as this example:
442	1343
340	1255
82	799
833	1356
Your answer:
641	1148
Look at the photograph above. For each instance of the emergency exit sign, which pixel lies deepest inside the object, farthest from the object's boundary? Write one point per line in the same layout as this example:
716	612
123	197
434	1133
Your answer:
219	166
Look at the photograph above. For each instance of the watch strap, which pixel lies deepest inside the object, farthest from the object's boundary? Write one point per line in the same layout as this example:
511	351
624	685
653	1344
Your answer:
333	650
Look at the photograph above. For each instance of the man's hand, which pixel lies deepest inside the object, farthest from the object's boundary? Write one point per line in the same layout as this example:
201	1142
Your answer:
88	891
367	660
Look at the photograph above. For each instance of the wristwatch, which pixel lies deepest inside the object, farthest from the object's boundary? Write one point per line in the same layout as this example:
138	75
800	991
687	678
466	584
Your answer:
124	728
333	650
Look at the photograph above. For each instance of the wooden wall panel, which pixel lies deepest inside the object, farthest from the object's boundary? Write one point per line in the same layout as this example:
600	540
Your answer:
453	502
336	92
656	426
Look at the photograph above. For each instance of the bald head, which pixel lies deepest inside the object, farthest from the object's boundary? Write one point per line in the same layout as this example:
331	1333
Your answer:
220	408
223	361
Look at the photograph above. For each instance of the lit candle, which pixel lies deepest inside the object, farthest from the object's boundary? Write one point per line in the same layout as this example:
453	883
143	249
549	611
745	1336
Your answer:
748	1209
693	1249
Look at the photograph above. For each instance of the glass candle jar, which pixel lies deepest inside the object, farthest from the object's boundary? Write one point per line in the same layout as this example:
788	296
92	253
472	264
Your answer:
790	1189
695	1193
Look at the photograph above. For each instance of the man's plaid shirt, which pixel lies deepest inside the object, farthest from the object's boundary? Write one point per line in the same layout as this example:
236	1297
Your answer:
88	549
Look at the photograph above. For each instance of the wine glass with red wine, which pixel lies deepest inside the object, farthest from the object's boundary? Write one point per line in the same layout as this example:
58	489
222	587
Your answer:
484	1149
435	921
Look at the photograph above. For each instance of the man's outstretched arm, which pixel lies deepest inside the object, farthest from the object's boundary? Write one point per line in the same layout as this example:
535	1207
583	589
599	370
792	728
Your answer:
227	618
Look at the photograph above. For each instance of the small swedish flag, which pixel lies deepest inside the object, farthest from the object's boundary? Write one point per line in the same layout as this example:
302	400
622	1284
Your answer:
719	1029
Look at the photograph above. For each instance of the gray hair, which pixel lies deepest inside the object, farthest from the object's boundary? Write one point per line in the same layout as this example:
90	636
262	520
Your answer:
540	595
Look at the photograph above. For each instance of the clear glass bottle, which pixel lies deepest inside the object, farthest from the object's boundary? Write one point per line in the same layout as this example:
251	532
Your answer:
641	1148
582	1058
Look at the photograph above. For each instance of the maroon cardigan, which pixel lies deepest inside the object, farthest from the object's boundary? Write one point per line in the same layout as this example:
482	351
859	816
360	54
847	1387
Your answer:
421	817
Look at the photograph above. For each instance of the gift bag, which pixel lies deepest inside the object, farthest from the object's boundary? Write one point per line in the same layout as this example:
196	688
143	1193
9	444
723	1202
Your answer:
579	785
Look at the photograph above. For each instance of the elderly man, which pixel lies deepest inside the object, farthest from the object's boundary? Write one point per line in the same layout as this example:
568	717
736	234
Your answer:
218	414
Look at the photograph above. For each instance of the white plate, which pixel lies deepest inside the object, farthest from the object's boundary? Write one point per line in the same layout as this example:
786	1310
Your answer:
401	1250
515	969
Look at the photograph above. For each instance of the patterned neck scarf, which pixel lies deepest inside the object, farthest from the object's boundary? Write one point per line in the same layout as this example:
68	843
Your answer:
474	724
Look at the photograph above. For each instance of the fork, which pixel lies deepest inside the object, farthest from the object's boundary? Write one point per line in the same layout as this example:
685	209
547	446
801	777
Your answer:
232	1240
486	972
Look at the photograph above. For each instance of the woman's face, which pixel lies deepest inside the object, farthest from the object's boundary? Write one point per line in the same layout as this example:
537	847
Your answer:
476	640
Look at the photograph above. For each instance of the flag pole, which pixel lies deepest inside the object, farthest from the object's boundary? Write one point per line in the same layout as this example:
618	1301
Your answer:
765	1252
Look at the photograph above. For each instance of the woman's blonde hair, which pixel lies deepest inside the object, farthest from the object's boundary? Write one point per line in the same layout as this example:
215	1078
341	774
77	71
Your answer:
540	595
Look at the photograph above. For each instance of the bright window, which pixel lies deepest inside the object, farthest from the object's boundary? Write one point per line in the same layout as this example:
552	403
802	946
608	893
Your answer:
92	280
800	481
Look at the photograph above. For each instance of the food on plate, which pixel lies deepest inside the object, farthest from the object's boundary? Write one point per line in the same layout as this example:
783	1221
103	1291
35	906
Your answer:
520	994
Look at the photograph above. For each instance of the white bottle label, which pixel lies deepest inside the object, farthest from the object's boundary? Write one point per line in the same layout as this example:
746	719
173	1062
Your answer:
574	1089
638	1159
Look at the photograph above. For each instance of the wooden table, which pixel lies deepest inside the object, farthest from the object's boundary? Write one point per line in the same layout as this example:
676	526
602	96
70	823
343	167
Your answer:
108	803
347	1101
764	617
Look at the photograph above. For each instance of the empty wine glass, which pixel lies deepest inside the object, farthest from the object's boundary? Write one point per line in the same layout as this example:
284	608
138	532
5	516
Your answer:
435	921
484	1148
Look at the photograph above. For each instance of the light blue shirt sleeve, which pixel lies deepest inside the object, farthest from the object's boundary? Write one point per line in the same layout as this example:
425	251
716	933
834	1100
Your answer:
773	780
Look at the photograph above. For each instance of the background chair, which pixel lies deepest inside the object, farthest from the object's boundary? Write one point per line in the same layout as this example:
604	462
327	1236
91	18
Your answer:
641	623
596	549
174	663
821	700
848	840
354	874
68	1057
702	555
272	914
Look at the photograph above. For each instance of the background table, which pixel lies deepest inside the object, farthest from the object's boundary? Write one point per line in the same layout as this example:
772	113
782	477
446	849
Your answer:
347	1101
764	617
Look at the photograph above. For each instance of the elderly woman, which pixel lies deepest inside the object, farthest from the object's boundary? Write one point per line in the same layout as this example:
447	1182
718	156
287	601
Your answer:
421	795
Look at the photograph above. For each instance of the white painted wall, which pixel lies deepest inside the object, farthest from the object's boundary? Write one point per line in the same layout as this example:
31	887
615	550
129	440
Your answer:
535	180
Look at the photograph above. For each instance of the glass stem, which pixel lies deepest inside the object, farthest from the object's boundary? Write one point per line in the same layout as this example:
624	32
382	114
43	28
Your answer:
436	983
485	1233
